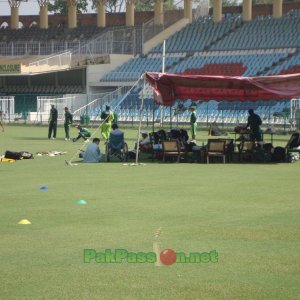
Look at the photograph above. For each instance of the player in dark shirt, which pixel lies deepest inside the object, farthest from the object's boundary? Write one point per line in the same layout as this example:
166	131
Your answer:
67	123
254	122
52	122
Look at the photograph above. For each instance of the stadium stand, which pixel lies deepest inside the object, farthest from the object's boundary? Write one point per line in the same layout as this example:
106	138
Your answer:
263	33
57	34
206	48
198	35
233	47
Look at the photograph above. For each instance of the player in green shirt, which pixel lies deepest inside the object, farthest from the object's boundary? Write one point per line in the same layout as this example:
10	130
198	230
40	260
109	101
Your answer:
83	133
193	121
108	118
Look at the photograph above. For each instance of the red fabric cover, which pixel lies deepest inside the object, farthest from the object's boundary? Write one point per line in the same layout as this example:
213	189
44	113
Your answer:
169	87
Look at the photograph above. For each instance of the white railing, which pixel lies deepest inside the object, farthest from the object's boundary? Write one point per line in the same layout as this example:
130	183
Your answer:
73	102
7	106
126	40
294	114
115	76
51	63
93	109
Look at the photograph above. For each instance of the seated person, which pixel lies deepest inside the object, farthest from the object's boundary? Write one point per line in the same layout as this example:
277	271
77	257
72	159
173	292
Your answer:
214	130
115	130
116	145
145	143
83	133
92	153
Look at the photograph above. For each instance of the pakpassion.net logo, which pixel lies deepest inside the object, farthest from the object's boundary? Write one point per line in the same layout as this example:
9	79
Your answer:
166	257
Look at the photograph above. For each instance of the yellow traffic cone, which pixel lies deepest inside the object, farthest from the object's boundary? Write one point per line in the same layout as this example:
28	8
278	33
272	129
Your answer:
24	222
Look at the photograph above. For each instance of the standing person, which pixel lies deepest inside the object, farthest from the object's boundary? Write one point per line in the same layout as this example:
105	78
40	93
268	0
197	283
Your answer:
68	122
52	122
108	118
83	133
1	120
193	121
254	122
92	153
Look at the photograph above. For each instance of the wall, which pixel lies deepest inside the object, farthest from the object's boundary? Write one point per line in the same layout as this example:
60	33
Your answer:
112	19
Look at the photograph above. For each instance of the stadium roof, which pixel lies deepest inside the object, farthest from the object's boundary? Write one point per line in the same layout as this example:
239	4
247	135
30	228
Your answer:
168	88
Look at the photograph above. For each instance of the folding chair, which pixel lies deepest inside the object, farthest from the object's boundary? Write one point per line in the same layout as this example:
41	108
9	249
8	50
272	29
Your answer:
216	148
172	148
246	148
116	147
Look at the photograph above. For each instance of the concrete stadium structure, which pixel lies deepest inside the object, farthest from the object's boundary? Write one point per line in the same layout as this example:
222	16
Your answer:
100	56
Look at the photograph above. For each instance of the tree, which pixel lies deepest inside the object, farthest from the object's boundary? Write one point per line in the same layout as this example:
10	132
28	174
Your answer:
262	2
140	5
115	5
224	2
61	6
231	3
148	5
144	5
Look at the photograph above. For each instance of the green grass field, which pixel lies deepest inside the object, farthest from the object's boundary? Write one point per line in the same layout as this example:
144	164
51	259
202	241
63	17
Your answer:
248	213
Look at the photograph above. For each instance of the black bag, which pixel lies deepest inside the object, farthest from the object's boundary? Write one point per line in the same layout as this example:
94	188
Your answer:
294	140
268	147
261	156
162	135
13	155
159	136
279	154
189	146
184	135
104	116
175	134
131	154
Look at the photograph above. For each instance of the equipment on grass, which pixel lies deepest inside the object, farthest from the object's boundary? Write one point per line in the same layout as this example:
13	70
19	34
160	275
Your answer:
279	154
13	155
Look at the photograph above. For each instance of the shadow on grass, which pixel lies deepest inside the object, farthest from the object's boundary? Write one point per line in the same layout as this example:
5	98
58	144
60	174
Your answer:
35	138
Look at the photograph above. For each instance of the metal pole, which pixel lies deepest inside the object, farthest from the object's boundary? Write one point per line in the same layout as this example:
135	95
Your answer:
163	71
170	117
140	124
207	115
153	116
163	57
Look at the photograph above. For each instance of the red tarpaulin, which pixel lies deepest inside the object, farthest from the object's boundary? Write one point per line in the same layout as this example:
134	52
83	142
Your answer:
169	87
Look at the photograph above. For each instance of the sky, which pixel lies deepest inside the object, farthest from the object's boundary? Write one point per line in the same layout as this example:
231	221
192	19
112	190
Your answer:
32	7
26	8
